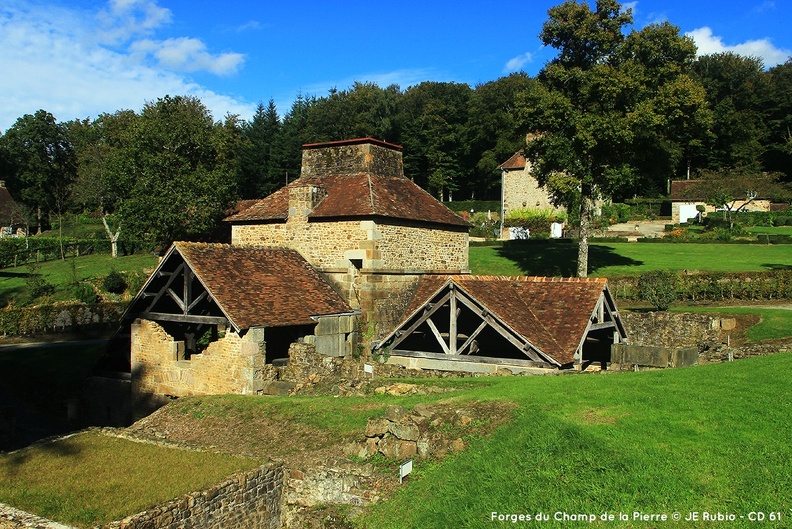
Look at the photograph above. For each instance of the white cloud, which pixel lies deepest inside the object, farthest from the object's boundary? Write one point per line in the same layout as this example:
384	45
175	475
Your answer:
763	48
188	55
52	58
518	62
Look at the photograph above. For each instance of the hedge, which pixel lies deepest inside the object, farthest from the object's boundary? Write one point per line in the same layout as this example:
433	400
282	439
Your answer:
22	321
714	286
17	251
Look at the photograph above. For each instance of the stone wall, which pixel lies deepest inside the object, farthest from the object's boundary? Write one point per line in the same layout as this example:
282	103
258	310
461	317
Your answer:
521	190
244	500
385	247
673	329
232	364
365	157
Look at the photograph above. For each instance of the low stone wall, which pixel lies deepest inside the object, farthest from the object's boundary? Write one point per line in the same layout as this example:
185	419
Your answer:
626	357
673	329
243	501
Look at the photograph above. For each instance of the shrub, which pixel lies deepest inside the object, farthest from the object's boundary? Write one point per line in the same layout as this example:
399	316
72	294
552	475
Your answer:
37	285
114	283
659	288
86	293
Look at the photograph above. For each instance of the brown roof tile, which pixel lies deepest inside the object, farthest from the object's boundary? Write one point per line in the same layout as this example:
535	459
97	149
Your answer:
262	287
357	195
550	313
517	161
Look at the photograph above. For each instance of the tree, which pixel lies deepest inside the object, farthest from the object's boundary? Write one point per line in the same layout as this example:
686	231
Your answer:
180	167
259	174
97	186
734	84
41	163
599	101
777	105
434	131
494	132
735	190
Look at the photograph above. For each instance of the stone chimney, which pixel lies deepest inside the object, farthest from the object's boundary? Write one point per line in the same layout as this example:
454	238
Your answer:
361	155
303	199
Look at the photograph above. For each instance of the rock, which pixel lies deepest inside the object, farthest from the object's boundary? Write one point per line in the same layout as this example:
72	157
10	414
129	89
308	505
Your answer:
423	447
381	390
423	410
401	388
277	387
406	431
394	448
377	427
457	445
396	413
462	418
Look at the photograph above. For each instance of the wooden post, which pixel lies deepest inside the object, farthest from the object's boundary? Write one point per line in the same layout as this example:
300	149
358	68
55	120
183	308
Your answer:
452	326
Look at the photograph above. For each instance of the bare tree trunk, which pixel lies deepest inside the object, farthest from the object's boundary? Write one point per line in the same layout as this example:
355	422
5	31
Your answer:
585	226
112	236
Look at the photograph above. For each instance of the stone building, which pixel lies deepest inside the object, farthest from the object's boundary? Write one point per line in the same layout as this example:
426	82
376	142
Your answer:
354	216
520	189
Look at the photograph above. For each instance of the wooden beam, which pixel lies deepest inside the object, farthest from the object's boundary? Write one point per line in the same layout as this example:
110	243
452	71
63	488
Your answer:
178	300
183	318
473	336
438	336
165	288
197	300
603	325
470	358
452	324
420	319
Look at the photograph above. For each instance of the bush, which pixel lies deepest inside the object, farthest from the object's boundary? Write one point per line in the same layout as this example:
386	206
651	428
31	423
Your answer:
114	283
86	293
37	285
659	288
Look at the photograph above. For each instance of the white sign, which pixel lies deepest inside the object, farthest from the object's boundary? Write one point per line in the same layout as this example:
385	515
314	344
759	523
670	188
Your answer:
368	368
405	469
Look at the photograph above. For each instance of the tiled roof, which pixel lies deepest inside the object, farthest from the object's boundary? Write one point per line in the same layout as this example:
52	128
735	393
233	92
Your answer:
9	211
679	189
517	161
357	195
262	287
550	313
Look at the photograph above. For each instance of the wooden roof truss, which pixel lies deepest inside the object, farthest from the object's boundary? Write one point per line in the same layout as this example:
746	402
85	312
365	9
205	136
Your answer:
457	300
174	293
604	317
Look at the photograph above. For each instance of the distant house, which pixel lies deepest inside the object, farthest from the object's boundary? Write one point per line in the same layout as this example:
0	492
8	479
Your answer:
684	205
520	189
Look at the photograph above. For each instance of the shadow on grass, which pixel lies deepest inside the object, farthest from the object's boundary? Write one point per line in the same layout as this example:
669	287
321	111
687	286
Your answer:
771	266
559	258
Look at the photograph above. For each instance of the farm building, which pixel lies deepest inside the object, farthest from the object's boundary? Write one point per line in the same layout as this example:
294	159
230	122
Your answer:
519	322
351	252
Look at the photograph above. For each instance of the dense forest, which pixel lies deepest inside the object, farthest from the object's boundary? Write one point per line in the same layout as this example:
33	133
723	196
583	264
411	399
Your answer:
639	108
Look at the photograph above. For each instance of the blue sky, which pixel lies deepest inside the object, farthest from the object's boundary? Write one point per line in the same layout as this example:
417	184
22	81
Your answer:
79	58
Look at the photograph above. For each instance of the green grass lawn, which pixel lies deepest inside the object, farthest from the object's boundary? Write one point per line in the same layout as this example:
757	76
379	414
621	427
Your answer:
771	230
61	273
711	438
621	259
92	479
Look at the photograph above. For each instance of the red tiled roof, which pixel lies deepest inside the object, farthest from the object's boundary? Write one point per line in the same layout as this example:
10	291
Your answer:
517	161
550	313
261	287
679	189
9	211
357	195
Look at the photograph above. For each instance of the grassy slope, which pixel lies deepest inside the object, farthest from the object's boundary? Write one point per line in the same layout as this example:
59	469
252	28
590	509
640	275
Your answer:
619	259
61	274
713	438
92	479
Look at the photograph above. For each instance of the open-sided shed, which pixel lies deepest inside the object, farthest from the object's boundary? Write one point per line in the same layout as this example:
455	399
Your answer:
522	321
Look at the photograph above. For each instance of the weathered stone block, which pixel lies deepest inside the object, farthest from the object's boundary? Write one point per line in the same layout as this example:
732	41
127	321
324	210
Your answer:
406	431
377	427
396	413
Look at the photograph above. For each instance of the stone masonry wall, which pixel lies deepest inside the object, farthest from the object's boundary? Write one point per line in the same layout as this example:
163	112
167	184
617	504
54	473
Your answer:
521	190
232	364
330	245
349	159
243	501
671	329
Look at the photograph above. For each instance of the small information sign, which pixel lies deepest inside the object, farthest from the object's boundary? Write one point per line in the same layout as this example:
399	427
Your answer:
405	469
